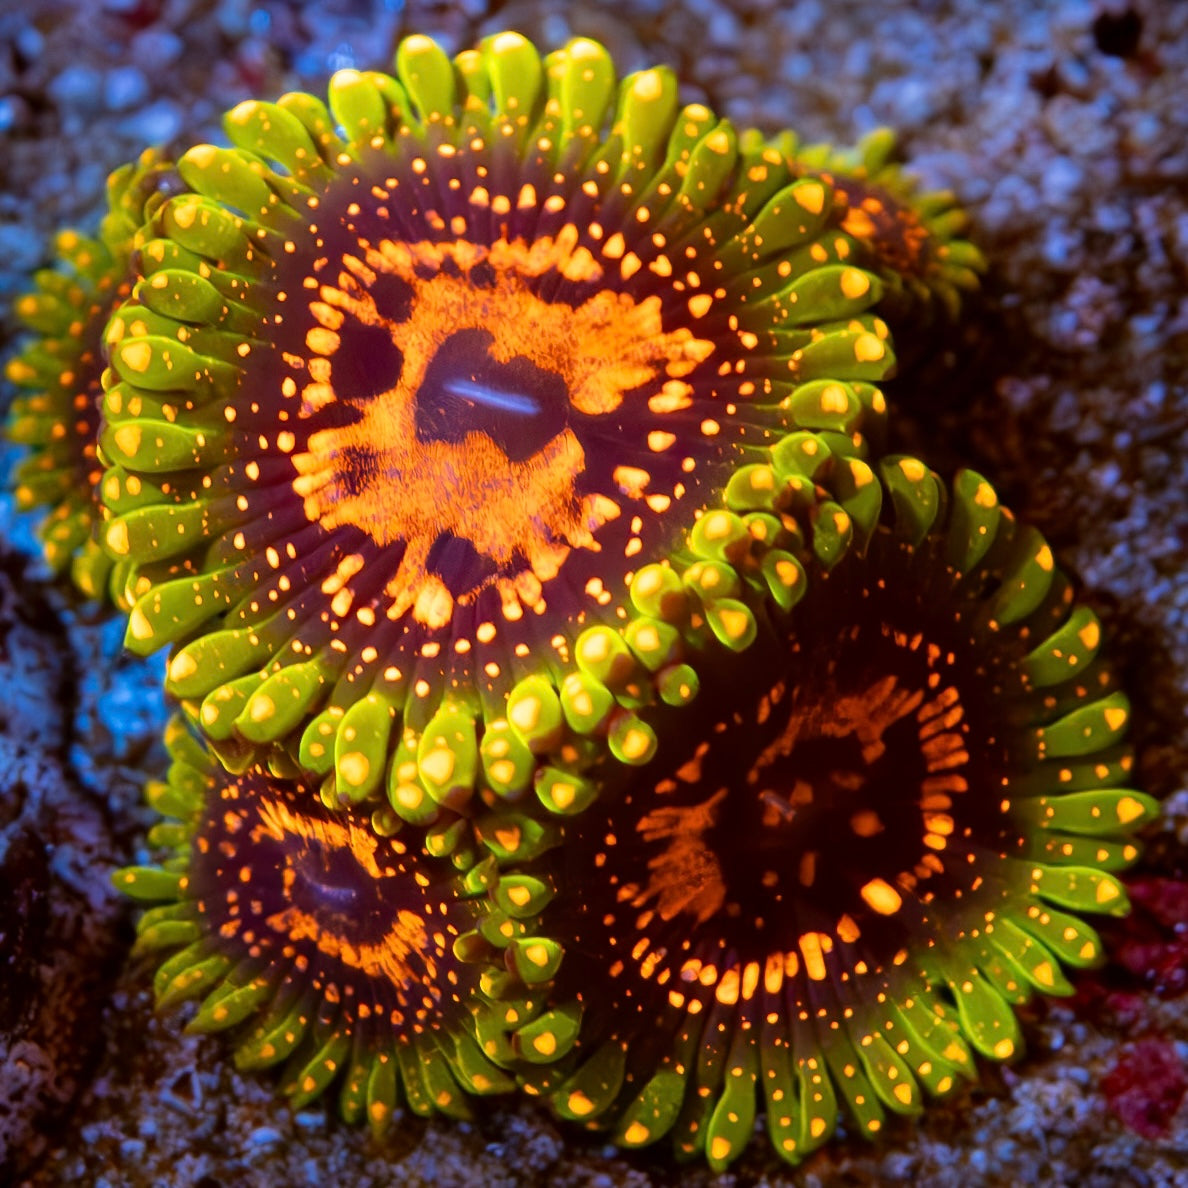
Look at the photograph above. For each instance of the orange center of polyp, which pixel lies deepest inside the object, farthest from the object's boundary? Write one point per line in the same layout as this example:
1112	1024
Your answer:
482	435
864	761
334	891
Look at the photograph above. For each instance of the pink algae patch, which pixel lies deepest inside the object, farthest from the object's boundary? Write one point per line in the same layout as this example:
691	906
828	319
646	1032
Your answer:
1146	1086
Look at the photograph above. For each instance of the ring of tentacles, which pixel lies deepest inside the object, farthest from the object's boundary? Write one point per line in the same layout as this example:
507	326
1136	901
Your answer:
327	942
412	386
845	867
58	376
574	700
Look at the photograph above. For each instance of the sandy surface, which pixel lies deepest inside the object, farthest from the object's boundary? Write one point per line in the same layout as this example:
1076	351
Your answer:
1063	129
